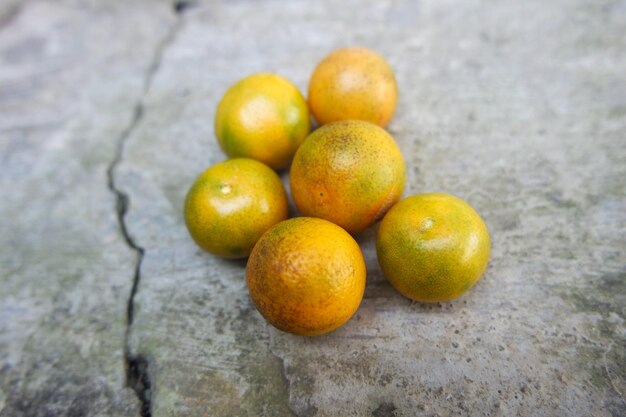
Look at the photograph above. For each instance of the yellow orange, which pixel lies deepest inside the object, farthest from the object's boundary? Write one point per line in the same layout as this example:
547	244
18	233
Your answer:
306	276
231	204
353	83
432	247
263	117
349	173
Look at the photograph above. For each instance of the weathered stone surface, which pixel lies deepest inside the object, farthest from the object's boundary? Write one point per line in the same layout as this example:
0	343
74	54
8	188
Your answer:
517	107
70	75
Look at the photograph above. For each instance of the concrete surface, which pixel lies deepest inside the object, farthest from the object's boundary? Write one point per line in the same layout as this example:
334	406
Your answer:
106	114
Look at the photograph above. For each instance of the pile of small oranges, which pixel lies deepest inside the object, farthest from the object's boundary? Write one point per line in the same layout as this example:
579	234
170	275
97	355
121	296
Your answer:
306	275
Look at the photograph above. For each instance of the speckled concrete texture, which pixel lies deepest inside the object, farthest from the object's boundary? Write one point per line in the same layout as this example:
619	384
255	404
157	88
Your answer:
70	75
517	107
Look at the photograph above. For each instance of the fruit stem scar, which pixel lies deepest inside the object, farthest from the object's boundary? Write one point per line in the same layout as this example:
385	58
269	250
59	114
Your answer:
426	224
225	189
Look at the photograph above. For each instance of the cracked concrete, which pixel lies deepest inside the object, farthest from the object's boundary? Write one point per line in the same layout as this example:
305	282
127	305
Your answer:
137	372
486	113
516	107
65	268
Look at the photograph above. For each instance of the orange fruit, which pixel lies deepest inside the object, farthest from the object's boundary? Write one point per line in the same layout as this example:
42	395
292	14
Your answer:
353	83
349	173
432	247
263	117
306	276
231	204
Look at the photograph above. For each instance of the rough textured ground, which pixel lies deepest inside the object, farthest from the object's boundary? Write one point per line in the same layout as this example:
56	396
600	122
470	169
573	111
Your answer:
70	75
106	114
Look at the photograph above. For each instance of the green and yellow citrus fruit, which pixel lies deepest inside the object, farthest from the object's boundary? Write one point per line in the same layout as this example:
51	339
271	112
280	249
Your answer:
432	247
231	204
349	173
306	276
263	117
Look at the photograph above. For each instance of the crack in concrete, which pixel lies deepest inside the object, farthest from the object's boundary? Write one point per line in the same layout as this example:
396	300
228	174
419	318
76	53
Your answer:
283	369
605	352
137	366
608	373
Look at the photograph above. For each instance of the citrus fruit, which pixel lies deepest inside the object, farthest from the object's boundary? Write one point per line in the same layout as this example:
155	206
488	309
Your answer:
349	173
306	276
353	83
432	247
263	117
231	204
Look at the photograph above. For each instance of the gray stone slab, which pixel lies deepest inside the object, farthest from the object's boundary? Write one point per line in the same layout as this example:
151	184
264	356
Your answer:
517	107
70	76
